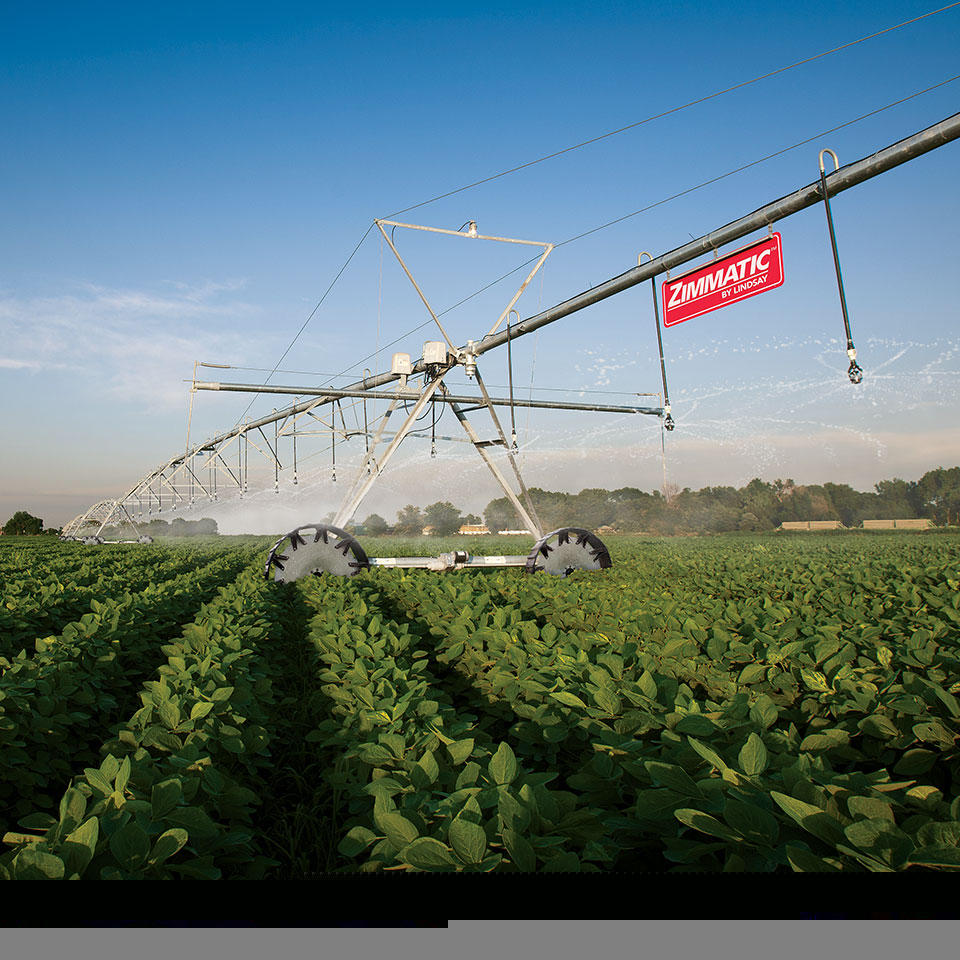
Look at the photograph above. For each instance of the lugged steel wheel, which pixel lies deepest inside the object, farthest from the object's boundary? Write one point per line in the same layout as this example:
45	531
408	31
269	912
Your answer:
568	549
313	549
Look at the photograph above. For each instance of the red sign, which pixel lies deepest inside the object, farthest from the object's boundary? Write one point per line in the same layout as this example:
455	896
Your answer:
735	277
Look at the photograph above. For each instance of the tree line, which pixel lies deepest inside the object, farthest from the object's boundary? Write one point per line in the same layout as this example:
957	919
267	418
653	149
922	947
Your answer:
759	505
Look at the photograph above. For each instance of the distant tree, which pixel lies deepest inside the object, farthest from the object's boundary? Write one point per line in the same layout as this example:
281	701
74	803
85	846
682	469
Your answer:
409	521
499	515
472	519
204	527
23	523
178	527
443	518
851	505
939	494
375	525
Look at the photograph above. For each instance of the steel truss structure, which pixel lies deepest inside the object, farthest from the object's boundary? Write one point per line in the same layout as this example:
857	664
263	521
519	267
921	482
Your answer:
220	464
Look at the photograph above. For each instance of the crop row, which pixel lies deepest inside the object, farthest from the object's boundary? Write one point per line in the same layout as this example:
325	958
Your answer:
425	787
770	717
53	595
169	797
77	683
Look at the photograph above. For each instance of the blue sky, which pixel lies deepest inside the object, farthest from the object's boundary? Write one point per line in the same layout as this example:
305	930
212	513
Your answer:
183	182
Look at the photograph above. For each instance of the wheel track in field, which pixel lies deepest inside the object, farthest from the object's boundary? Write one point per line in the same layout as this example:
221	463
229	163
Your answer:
296	822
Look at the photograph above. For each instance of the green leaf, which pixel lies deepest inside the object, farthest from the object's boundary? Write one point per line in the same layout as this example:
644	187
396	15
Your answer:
503	765
521	853
195	821
564	863
427	854
36	865
396	744
123	776
97	780
695	723
169	714
753	757
915	761
468	775
357	840
608	702
221	693
397	829
803	861
568	699
881	840
164	797
37	821
428	764
879	727
711	756
658	804
934	732
468	840
751	822
764	712
374	754
926	857
752	673
939	834
815	680
130	846
168	843
870	808
460	750
73	806
79	847
705	824
948	700
200	709
109	767
811	818
673	776
647	685
511	813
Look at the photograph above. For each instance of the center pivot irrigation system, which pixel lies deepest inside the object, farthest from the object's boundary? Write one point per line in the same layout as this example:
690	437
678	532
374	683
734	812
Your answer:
318	547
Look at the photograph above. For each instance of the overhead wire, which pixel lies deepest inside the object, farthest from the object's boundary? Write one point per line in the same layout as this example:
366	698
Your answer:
672	110
309	318
617	220
658	203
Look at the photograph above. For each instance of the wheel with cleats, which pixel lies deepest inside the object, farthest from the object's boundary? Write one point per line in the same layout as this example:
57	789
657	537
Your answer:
314	549
568	549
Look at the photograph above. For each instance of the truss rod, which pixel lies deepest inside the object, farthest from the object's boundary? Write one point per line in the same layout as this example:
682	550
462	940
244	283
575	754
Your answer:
333	394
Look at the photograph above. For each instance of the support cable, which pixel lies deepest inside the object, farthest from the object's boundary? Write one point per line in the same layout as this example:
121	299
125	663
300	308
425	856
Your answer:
651	206
667	113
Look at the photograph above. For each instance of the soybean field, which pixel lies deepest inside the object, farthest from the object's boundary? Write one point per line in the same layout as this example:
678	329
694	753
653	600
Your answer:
763	703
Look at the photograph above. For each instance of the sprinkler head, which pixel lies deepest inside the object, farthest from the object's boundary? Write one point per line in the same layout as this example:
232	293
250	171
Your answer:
668	423
854	372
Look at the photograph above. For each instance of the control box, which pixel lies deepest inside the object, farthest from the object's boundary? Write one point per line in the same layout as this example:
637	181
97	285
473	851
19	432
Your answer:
401	364
434	351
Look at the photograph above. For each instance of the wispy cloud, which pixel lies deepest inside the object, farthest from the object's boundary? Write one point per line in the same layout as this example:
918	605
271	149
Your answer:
139	343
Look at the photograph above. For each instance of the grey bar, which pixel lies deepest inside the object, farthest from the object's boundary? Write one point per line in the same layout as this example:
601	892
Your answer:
333	393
